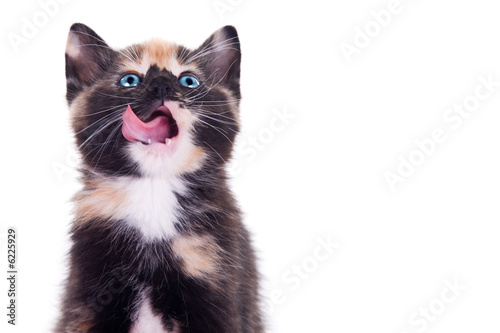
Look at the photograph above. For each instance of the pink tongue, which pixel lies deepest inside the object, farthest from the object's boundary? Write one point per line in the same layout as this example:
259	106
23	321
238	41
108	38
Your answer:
133	129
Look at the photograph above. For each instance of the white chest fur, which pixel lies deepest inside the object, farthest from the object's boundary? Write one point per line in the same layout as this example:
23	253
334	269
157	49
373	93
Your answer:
147	204
152	206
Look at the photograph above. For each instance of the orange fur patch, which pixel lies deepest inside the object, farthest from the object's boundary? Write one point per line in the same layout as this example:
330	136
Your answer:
193	161
155	52
200	255
160	52
78	120
100	202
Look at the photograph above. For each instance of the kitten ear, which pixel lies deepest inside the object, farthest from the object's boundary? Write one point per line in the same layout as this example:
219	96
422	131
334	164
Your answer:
221	56
87	57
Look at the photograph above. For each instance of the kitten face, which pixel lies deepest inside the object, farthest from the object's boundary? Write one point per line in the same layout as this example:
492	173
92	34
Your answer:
153	109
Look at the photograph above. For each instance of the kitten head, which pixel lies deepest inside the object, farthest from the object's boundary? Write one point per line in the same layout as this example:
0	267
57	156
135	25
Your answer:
156	108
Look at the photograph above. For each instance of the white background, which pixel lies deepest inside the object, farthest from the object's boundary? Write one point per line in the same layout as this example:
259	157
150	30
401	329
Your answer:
319	178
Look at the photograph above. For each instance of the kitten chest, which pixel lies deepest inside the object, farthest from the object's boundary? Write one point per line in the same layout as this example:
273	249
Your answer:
149	205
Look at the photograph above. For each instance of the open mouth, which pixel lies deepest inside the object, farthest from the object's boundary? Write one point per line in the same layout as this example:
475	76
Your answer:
160	127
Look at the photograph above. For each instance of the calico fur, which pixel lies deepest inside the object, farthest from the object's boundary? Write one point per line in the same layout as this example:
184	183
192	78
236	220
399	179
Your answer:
158	244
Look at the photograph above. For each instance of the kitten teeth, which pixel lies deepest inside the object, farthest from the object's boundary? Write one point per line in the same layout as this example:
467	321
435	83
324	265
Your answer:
149	141
168	141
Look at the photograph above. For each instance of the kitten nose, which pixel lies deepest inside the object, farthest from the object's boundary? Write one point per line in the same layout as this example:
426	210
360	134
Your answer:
159	89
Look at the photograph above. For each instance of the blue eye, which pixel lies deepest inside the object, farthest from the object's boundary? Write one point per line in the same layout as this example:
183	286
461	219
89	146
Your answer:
130	80
189	81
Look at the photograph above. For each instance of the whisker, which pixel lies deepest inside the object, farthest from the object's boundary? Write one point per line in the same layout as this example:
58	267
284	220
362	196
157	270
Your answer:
104	45
111	115
215	151
217	83
222	45
108	140
219	120
114	96
201	93
100	129
102	111
219	103
217	129
218	113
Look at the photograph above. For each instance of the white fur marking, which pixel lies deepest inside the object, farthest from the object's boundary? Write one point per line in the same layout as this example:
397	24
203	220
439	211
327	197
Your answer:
176	68
171	64
147	321
144	66
73	46
152	205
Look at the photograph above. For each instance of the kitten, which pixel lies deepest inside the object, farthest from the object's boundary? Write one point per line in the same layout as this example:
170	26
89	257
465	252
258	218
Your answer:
157	240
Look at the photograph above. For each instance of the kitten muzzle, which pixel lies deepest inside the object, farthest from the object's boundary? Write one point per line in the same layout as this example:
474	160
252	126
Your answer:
159	128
